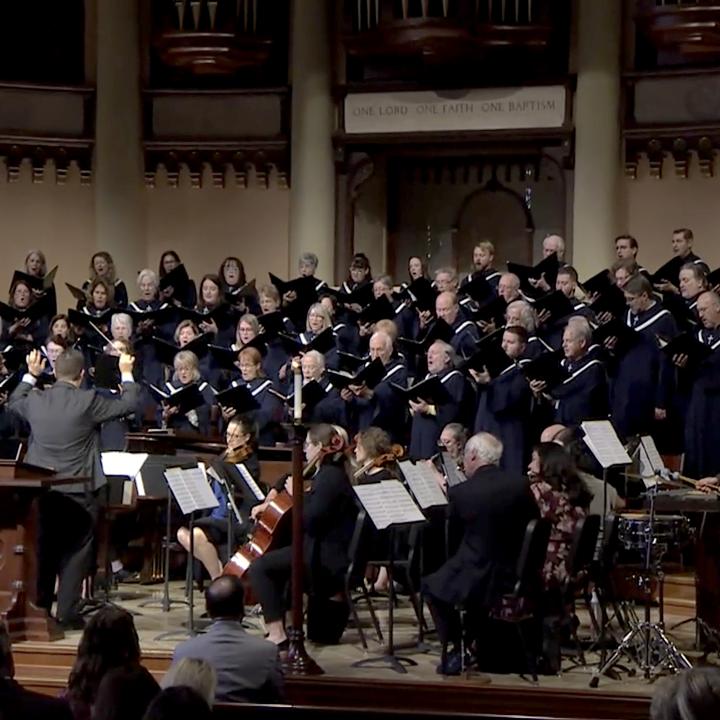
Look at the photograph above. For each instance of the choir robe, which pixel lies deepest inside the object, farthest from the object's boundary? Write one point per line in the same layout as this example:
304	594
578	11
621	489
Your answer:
702	449
270	413
535	347
144	346
425	429
584	394
383	409
644	376
503	410
491	275
466	337
347	338
331	356
553	334
197	420
331	409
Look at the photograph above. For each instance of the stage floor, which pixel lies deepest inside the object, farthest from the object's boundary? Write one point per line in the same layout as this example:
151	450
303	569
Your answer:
160	631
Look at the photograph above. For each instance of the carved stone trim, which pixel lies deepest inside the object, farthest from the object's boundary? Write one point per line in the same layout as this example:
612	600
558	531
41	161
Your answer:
684	149
43	154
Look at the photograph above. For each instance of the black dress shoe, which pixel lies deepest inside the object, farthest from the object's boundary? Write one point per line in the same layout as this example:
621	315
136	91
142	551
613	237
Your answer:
283	646
74	622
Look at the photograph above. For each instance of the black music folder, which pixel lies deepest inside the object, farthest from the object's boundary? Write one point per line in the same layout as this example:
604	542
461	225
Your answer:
166	351
420	293
547	267
431	390
379	309
439	330
186	399
369	376
688	344
323	342
548	368
238	397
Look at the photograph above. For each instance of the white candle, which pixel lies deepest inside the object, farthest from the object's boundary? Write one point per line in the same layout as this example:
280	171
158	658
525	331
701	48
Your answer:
297	406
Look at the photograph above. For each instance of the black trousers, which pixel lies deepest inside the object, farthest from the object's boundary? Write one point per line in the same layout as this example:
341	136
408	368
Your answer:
65	549
269	576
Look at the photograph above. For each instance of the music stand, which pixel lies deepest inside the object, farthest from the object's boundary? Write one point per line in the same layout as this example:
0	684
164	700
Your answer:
390	507
192	492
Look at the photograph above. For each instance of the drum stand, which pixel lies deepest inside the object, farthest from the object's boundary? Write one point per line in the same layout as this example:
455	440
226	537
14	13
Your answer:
646	643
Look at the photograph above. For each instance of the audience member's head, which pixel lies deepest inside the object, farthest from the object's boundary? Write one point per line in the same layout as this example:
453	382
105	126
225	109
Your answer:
482	450
109	641
124	694
690	695
193	673
178	703
225	598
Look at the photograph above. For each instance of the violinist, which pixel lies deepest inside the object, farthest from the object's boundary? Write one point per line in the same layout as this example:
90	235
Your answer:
211	532
329	521
375	457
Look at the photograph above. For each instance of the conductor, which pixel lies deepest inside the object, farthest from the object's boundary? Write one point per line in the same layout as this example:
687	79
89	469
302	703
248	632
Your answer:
64	424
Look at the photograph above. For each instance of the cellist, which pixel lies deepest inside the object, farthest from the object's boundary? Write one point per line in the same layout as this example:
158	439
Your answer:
211	532
329	520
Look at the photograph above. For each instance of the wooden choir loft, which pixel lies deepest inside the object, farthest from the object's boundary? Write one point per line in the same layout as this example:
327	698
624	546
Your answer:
265	128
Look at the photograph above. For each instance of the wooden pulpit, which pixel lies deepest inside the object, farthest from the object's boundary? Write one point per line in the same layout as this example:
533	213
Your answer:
21	486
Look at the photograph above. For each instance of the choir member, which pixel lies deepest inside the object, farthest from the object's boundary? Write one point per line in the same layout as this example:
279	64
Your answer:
623	270
276	357
100	299
307	267
521	313
60	325
693	282
482	264
24	329
493	508
210	532
102	266
269	415
626	247
379	406
446	280
465	336
187	372
210	299
121	327
702	450
417	268
318	320
583	395
429	420
347	335
552	244
504	403
36	267
185	296
643	382
509	287
331	408
329	519
682	249
566	283
232	276
359	274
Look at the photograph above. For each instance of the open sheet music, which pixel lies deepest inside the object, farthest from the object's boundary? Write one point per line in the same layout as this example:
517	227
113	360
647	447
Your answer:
650	461
603	442
421	480
191	489
123	464
250	482
388	503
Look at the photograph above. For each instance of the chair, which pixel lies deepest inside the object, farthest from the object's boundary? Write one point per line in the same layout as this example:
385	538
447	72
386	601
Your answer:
578	564
519	606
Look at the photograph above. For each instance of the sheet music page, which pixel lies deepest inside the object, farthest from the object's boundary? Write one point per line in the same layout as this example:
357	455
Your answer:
250	481
652	453
388	503
124	464
455	476
421	479
603	442
191	489
140	485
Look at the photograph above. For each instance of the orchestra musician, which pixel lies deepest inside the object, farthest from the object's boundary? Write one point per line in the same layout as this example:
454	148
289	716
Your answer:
211	532
329	519
375	457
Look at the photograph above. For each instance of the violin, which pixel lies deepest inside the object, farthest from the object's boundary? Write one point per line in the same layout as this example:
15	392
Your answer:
380	461
237	454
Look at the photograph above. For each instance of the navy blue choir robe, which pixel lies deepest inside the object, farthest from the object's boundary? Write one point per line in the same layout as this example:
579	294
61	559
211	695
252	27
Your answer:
644	376
702	449
384	409
197	420
331	409
331	356
269	415
491	275
535	347
226	325
144	346
466	337
583	395
347	338
503	410
425	429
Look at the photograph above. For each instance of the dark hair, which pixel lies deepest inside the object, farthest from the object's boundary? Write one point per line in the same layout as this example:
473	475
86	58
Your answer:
225	598
69	364
557	469
519	331
215	280
161	267
241	268
109	291
109	641
639	285
698	272
633	242
14	287
690	695
7	665
423	263
124	694
630	265
687	233
570	271
360	261
178	703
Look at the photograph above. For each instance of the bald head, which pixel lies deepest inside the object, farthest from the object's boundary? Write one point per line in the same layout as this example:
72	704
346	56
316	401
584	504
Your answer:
708	309
552	433
446	307
381	346
509	287
225	598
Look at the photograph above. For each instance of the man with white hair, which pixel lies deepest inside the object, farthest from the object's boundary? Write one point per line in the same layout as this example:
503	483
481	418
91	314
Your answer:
330	408
379	406
428	419
494	509
583	395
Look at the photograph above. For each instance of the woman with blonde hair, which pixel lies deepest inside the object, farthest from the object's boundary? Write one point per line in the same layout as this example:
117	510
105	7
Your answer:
198	675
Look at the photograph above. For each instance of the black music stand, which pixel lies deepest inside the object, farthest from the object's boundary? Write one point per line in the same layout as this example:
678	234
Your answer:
390	507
